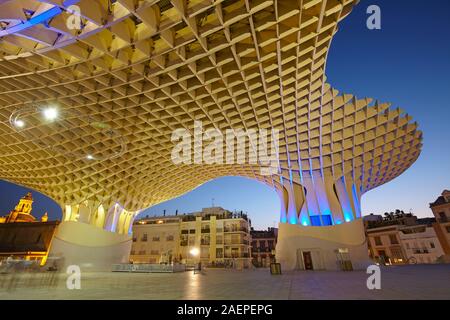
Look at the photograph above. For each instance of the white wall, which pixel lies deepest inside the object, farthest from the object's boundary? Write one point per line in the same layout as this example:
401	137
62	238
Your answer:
323	243
89	247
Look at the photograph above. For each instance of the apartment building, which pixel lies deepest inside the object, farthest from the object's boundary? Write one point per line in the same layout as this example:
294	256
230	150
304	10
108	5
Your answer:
401	238
213	236
421	244
441	211
156	240
263	246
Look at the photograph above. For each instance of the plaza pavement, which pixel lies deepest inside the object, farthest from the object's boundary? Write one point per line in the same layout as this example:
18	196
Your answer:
397	282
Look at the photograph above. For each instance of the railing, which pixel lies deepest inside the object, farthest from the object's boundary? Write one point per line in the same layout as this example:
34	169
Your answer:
144	267
262	249
233	256
230	243
420	251
236	230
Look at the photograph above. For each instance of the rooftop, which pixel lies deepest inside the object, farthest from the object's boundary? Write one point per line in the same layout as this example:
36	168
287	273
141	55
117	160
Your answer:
206	214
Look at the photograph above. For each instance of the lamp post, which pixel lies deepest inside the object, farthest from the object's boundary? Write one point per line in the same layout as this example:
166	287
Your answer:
194	253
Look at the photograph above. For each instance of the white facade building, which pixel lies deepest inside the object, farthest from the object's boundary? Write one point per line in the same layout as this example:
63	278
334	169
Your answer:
421	244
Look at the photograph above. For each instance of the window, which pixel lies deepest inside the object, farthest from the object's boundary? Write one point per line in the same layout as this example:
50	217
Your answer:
270	244
141	252
144	237
154	252
155	238
407	246
397	254
262	245
192	231
169	238
432	245
204	240
378	241
382	254
393	239
132	252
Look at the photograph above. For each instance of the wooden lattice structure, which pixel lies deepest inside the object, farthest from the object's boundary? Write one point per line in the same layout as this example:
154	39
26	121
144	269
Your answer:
135	71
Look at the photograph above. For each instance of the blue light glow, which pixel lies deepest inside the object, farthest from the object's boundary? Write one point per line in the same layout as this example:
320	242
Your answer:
315	221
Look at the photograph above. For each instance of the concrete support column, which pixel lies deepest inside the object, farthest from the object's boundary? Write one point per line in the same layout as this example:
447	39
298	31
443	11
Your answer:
284	202
335	206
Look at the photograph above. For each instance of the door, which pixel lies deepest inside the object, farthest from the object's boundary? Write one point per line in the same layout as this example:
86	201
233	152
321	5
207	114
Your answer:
307	259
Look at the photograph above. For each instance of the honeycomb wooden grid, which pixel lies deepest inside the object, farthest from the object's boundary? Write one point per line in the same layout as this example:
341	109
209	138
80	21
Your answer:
147	68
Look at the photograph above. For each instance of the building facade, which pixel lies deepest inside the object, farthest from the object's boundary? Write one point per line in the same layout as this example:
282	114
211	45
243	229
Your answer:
441	211
24	237
263	246
213	236
401	238
22	211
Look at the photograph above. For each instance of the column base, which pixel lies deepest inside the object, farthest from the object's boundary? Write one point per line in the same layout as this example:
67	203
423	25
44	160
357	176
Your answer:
87	246
322	248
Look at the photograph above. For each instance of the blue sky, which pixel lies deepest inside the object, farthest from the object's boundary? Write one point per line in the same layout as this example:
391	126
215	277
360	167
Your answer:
406	63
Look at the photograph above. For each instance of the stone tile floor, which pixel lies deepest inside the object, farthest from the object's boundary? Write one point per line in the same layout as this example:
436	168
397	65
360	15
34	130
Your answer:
397	282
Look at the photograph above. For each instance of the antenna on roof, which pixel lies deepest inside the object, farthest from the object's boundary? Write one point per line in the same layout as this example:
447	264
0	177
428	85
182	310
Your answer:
212	202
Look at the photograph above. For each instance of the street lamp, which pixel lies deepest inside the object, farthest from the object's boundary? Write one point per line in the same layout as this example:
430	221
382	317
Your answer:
194	252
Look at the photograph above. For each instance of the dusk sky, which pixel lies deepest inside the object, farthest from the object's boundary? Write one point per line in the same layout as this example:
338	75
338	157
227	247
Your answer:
406	63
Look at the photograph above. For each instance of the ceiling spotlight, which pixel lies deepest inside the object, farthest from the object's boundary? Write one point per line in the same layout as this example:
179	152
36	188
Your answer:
90	157
19	123
50	113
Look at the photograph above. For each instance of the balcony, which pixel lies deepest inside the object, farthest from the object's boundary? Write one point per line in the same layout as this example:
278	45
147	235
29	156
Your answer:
420	251
242	229
236	256
236	243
